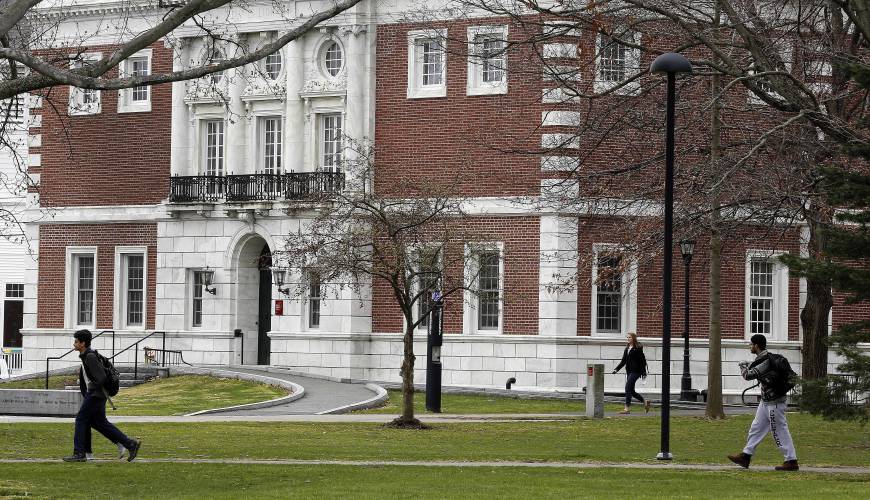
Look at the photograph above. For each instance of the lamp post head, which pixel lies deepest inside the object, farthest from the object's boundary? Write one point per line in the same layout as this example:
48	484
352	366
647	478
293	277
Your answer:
687	248
670	62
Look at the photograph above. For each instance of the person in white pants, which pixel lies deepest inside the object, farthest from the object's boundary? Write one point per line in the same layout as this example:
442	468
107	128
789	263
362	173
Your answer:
770	416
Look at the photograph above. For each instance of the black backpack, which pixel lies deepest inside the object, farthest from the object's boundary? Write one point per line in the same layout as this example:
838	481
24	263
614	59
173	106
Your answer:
113	378
786	378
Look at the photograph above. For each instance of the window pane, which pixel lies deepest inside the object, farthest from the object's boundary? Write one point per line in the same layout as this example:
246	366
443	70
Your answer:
331	135
85	289
135	289
488	290
760	295
271	141
609	295
613	60
493	57
14	290
432	56
139	67
214	147
197	299
333	59
314	302
272	65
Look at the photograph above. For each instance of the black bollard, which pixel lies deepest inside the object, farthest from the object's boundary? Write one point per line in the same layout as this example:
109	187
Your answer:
433	355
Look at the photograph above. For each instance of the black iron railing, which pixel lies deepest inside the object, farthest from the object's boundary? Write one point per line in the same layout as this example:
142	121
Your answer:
254	187
49	359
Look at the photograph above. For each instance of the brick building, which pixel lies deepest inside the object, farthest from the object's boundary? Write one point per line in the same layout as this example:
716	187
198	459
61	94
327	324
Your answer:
166	204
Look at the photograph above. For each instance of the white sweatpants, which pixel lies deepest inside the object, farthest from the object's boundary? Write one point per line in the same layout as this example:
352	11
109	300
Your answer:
770	417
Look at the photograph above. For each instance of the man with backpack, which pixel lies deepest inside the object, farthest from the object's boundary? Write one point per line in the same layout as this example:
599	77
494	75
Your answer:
776	378
92	414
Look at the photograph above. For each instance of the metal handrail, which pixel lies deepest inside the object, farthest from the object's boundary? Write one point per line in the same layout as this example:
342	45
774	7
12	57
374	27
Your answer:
48	359
136	351
170	351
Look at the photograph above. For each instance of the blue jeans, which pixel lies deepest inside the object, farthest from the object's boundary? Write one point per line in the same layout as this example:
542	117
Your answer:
92	414
629	388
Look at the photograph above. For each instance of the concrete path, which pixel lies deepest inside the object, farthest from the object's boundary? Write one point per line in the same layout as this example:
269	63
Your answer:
460	464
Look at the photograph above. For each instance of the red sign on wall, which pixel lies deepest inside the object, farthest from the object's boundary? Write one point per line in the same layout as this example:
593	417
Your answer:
279	308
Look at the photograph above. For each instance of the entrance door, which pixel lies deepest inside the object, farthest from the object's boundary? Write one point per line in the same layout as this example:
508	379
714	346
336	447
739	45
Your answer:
264	322
13	320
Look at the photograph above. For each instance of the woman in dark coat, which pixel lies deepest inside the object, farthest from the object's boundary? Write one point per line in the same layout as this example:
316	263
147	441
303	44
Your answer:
635	365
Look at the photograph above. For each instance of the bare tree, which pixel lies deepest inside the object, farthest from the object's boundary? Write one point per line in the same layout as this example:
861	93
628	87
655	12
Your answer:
410	239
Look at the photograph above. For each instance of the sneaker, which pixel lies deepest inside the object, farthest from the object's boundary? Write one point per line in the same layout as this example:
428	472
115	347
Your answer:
741	459
625	412
646	405
89	457
121	451
76	457
134	450
788	465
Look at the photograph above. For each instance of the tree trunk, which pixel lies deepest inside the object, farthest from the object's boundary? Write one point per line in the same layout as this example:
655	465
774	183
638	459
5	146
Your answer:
714	407
814	317
407	419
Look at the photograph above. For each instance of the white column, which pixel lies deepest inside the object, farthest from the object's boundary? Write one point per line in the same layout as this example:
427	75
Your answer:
557	303
294	112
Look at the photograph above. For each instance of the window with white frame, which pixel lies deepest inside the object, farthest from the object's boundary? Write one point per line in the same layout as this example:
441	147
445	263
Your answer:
82	286
213	147
272	65
131	288
136	99
329	142
84	101
314	300
484	301
197	285
270	144
781	55
427	63
487	60
614	301
214	55
766	295
332	59
616	61
14	290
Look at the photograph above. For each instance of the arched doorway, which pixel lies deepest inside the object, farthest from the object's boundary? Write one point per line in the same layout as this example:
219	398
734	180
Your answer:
252	262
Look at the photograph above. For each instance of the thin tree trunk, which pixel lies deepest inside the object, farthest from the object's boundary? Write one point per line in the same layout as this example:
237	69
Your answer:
407	371
714	407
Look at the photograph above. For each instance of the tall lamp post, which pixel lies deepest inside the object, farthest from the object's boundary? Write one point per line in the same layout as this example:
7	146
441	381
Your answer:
669	63
687	248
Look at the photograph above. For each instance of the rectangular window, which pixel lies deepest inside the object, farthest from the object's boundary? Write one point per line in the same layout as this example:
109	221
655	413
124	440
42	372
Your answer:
616	62
139	67
213	150
85	287
488	286
609	295
427	283
314	302
760	296
270	145
14	290
84	101
196	296
487	60
427	63
330	146
134	282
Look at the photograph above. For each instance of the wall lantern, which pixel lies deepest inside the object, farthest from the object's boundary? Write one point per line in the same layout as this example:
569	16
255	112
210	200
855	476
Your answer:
278	274
206	276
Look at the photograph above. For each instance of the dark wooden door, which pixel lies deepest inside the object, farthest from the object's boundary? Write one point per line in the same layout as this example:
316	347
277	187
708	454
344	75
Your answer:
13	320
264	322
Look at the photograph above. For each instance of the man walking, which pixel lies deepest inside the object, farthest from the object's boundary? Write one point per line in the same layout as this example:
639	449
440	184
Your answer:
92	413
770	416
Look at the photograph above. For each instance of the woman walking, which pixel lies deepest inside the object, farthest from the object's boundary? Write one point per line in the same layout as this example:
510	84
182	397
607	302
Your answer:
635	365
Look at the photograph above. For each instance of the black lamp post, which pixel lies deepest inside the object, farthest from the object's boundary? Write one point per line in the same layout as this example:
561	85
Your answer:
687	248
669	63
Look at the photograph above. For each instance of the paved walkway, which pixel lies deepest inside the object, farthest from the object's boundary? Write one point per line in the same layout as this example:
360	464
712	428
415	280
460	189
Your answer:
535	465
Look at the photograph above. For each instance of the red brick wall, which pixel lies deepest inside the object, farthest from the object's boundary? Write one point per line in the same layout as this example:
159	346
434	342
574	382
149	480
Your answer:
521	238
108	158
53	241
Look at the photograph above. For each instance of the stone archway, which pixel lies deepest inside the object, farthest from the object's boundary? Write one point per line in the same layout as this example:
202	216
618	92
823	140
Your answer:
252	262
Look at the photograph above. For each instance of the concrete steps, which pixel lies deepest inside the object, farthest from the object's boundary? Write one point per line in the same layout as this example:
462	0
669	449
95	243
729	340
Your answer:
127	377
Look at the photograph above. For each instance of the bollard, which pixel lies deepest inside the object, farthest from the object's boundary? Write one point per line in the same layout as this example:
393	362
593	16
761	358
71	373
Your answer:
240	345
595	390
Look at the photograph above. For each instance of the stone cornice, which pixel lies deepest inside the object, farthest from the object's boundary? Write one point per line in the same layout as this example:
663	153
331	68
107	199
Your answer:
98	9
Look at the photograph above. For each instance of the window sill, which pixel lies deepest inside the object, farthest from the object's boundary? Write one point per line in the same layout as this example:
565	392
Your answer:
487	90
135	108
425	93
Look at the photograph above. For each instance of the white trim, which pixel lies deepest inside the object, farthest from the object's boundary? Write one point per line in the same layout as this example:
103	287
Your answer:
628	285
475	84
202	143
415	287
119	319
125	96
76	105
632	67
416	89
779	305
320	57
70	302
469	316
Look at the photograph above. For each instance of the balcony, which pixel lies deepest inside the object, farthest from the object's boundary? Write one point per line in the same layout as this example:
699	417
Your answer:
301	186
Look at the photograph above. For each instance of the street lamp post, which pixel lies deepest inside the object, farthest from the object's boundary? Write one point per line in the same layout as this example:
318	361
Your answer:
687	248
669	63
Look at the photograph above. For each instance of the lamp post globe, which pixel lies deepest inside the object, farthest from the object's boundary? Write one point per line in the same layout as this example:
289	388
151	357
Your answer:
670	64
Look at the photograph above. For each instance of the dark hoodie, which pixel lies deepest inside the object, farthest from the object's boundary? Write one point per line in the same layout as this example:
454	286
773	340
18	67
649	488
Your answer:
95	372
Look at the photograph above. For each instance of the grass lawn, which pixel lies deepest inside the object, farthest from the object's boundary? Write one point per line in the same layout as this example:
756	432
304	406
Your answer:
693	440
460	404
54	382
122	480
174	395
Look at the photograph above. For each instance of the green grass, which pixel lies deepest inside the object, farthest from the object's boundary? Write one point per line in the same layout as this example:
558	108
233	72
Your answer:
464	404
693	440
54	382
218	481
189	393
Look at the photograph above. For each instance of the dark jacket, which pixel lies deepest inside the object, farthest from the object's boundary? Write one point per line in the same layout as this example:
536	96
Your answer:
633	360
96	374
763	370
